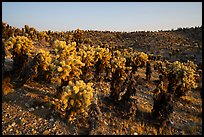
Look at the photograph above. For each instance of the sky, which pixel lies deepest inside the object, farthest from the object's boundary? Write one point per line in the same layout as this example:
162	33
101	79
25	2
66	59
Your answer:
112	16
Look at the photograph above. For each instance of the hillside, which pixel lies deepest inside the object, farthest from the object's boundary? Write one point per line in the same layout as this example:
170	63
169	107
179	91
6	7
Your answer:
26	111
181	44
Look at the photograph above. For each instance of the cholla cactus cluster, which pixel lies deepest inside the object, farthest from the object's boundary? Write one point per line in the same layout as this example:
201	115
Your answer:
185	72
76	98
19	45
21	49
88	55
45	59
118	63
66	65
140	59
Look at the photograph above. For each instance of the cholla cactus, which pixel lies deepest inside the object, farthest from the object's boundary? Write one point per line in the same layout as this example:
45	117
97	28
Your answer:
140	59
66	64
184	79
75	100
21	48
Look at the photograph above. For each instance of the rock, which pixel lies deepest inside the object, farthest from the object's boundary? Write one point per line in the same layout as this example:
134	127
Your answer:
7	115
171	122
135	133
18	120
37	107
51	120
54	128
31	109
11	130
42	107
46	132
9	126
13	124
23	120
27	105
17	132
105	123
34	132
